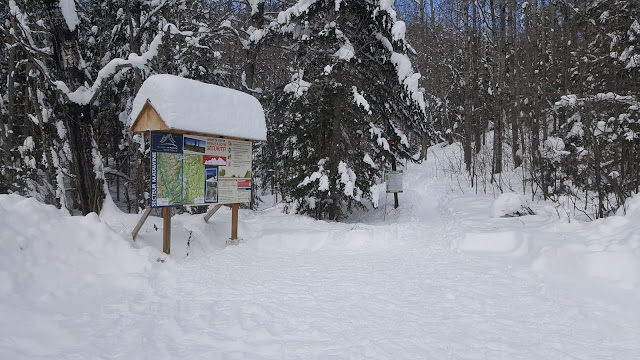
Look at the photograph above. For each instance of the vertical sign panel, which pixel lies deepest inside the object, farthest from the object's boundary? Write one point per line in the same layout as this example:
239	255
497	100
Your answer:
166	169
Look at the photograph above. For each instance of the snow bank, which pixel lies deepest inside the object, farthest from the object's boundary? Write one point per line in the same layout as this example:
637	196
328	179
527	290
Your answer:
617	266
508	243
57	269
73	288
45	252
609	251
191	105
509	205
602	253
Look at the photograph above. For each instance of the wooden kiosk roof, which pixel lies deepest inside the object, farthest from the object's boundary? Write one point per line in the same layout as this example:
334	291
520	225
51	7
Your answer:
174	104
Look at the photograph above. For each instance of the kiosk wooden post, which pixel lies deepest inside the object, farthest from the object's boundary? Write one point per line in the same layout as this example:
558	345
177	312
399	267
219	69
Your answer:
234	221
166	231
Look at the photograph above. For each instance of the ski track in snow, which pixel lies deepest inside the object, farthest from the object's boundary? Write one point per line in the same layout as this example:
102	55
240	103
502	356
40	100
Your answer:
303	289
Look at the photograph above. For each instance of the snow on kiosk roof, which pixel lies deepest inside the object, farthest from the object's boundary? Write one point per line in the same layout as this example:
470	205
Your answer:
171	103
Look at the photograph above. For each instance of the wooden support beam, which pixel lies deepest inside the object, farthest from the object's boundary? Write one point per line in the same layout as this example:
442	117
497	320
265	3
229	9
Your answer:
211	212
234	221
144	217
166	231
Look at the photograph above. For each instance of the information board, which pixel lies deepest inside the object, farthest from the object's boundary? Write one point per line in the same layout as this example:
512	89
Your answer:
394	181
197	170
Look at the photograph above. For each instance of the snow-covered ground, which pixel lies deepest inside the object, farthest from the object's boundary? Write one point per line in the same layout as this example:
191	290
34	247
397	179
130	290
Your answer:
438	278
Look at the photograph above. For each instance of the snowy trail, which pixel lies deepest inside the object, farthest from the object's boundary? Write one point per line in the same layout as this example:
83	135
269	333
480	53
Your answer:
413	298
304	289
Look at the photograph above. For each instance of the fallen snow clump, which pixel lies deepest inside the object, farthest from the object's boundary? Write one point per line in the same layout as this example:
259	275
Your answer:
510	205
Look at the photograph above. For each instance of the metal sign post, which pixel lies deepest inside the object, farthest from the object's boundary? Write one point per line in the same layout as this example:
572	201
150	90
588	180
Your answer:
394	185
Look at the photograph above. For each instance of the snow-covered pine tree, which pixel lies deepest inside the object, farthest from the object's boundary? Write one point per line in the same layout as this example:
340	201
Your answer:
69	75
351	108
600	120
35	149
122	27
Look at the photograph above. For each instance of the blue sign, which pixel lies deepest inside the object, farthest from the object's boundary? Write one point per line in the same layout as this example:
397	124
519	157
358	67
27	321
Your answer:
154	179
166	142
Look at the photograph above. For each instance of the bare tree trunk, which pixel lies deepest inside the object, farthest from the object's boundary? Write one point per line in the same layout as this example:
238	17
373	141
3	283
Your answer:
468	124
501	81
597	158
140	182
257	21
433	14
11	103
89	187
335	212
512	71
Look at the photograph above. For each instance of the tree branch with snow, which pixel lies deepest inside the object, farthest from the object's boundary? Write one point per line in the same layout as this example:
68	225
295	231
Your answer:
86	95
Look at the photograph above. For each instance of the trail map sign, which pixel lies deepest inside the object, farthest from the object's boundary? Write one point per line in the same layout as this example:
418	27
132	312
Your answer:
394	181
197	170
201	146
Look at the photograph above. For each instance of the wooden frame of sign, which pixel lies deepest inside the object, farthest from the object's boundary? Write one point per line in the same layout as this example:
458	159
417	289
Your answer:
147	121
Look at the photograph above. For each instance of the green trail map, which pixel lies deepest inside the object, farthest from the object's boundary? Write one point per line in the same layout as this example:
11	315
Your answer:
170	177
195	170
193	186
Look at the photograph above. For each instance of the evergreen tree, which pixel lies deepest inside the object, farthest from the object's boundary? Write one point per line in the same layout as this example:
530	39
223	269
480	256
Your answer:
352	107
600	120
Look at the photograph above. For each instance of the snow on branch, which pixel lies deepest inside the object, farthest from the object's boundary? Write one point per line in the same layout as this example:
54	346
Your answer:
297	86
359	99
85	95
573	100
23	26
408	78
255	6
68	8
320	176
298	9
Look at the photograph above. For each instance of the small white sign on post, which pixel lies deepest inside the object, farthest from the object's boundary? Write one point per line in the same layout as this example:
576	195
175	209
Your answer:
394	181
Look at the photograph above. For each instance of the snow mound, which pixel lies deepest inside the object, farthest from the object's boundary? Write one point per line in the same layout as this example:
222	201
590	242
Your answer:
43	250
190	105
617	266
609	251
631	207
509	243
509	205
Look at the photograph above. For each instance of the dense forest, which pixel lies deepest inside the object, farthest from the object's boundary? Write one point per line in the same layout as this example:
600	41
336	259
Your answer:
548	90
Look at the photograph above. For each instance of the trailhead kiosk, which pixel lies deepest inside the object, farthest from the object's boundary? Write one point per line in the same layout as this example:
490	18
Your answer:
201	139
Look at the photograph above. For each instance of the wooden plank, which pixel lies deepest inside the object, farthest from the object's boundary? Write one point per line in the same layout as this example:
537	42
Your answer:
234	221
144	217
148	119
166	231
211	212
